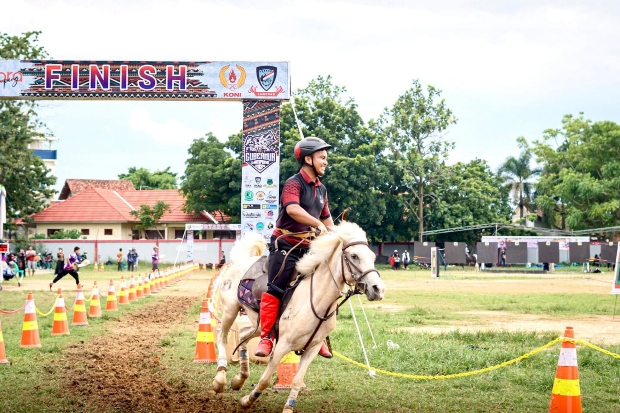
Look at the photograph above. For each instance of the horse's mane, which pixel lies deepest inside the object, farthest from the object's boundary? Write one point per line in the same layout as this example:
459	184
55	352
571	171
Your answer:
322	248
251	245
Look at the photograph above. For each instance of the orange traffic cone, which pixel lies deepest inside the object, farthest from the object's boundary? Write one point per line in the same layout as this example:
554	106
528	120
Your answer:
95	303
122	295
60	326
287	368
30	329
147	284
566	393
111	303
79	310
213	319
140	287
3	359
167	276
95	267
205	340
132	289
101	267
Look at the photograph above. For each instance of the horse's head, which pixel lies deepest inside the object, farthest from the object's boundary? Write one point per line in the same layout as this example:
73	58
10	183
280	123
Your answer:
358	261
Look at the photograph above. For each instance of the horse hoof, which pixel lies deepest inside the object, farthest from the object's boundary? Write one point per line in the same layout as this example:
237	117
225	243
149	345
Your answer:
237	383
218	386
245	402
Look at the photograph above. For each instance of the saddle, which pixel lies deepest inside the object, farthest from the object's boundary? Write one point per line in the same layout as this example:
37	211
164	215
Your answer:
254	283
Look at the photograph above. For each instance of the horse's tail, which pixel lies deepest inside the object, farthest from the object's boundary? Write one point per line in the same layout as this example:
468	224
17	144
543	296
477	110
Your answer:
251	245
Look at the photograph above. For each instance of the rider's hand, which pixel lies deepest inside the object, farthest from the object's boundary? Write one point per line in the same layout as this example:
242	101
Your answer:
321	227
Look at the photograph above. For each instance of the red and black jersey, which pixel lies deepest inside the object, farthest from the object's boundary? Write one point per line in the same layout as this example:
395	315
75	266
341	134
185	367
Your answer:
310	195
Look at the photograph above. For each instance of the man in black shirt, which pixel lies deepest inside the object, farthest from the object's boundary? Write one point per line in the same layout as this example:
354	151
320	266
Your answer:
303	205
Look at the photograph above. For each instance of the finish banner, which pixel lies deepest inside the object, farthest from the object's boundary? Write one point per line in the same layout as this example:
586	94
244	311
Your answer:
106	80
260	172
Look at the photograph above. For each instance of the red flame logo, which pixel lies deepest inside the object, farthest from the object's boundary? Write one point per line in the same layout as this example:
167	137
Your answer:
232	77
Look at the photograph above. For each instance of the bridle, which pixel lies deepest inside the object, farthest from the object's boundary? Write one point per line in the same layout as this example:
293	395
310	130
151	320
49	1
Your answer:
357	288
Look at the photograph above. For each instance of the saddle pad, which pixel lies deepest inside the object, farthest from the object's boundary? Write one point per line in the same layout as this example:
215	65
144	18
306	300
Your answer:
245	296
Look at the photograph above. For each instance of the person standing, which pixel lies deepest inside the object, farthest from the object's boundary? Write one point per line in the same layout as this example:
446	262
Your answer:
303	207
396	261
129	261
30	258
405	259
21	261
119	259
71	265
60	261
155	260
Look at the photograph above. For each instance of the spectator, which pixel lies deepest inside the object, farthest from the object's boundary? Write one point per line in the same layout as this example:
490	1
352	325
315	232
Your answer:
48	262
406	259
222	261
132	259
392	260
119	259
155	260
9	272
396	261
502	257
21	261
60	263
30	258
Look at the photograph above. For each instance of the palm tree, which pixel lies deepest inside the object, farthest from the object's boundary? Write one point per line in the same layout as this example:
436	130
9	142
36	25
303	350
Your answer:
517	175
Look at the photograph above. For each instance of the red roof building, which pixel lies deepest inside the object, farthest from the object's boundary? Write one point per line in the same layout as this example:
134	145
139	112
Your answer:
104	214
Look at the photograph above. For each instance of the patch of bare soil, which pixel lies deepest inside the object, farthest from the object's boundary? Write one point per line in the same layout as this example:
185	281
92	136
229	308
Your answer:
121	371
595	329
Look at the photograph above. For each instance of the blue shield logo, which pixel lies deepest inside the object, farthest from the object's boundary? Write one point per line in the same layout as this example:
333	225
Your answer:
266	76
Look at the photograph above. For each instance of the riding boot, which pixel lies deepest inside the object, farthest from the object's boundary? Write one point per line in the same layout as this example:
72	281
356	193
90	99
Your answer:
324	351
269	306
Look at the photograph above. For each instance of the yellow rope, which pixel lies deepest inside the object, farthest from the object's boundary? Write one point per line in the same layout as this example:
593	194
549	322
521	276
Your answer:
49	312
480	371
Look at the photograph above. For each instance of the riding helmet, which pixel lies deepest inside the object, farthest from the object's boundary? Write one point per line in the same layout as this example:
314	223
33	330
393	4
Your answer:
308	146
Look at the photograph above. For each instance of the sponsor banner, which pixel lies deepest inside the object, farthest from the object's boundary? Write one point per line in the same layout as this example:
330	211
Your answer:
156	80
261	164
532	241
190	245
212	227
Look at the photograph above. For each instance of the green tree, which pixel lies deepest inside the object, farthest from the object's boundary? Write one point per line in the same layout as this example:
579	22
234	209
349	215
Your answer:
414	128
212	180
27	181
517	174
357	161
142	178
581	173
66	234
149	216
472	195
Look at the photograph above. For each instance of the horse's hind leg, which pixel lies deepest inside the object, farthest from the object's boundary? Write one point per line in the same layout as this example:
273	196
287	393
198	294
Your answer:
245	334
229	312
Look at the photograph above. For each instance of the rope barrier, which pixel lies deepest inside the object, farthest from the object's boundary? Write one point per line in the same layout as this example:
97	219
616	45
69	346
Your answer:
14	311
49	312
479	371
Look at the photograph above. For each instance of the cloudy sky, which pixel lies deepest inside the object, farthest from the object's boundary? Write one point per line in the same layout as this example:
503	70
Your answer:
506	69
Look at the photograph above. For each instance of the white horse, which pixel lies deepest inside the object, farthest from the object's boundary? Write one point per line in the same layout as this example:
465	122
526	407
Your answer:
336	260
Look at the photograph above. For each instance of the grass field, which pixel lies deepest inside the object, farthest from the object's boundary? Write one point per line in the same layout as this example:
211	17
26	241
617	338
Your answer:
442	326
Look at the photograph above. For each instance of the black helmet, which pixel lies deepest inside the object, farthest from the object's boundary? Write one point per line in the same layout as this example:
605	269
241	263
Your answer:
308	146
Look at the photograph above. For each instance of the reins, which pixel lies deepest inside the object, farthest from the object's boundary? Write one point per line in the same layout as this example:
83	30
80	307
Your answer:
349	294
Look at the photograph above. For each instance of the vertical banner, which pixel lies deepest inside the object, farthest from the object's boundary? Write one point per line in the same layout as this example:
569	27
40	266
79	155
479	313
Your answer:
2	210
615	289
434	272
260	176
190	246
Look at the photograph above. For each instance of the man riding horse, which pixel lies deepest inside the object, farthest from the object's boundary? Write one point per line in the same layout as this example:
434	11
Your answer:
303	205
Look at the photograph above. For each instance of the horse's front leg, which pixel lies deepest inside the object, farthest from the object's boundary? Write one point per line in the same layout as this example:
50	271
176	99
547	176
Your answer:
278	352
298	380
228	317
